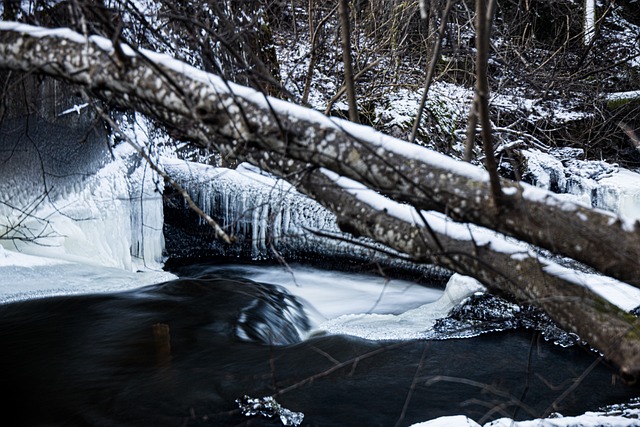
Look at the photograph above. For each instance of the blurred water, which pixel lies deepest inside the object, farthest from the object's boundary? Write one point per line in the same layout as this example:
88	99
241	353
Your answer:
330	294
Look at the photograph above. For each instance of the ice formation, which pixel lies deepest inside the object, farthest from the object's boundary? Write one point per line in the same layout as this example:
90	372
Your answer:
597	183
106	213
269	219
413	324
252	206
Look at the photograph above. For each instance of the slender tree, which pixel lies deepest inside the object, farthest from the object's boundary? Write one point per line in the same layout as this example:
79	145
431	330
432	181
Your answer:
345	39
484	18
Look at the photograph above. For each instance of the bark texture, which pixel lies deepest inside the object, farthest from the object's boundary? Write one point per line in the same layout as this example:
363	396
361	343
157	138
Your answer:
294	143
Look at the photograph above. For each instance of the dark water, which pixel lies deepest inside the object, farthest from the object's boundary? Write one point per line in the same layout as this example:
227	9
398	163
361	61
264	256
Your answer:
181	353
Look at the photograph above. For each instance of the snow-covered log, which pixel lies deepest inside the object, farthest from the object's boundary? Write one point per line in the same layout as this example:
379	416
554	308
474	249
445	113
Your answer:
236	121
295	143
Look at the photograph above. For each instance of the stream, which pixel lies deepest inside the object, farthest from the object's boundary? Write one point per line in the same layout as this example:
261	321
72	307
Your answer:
188	351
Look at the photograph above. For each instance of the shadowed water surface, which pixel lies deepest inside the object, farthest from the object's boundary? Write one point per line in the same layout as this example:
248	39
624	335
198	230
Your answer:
181	353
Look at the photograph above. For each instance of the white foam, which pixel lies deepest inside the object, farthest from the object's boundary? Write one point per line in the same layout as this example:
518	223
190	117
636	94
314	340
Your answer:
411	324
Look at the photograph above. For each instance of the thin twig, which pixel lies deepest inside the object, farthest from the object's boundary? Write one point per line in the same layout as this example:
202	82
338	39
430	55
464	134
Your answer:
414	382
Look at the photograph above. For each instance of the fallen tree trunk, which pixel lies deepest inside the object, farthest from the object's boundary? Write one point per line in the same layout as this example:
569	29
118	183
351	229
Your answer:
293	143
235	120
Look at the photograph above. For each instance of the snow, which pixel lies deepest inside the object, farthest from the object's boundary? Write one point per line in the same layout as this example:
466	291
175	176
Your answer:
438	222
558	111
16	259
625	296
619	96
589	419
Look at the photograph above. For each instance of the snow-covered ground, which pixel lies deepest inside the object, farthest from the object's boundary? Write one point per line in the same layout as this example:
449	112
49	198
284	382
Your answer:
27	276
590	419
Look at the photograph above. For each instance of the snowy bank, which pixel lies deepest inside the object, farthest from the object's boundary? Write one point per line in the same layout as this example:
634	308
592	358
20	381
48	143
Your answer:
28	276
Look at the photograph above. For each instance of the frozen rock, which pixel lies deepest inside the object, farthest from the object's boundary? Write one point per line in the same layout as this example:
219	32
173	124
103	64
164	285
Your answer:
269	408
597	183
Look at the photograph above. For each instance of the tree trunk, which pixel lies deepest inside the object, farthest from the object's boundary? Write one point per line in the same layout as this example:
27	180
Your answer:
303	146
589	21
345	36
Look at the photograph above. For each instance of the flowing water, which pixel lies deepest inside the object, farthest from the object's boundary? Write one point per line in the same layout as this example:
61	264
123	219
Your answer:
187	351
